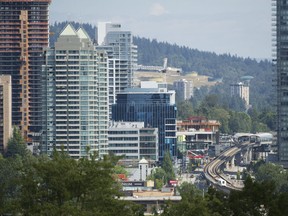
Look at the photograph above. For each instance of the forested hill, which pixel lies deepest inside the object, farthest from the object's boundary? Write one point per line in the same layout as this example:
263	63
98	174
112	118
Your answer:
230	68
152	52
226	66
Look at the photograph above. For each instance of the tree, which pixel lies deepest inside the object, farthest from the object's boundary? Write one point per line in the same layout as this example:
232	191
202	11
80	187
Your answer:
255	199
189	191
159	176
221	115
192	203
184	110
16	145
260	121
167	166
236	103
211	100
120	170
199	94
274	173
9	183
240	122
217	202
63	186
268	117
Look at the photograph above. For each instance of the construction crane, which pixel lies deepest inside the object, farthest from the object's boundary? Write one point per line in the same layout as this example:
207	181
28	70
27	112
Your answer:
166	69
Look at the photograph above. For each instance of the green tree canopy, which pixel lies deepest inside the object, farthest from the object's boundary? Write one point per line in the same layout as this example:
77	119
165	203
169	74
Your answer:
257	198
240	122
184	110
192	203
63	186
16	145
274	173
159	177
167	166
221	115
120	170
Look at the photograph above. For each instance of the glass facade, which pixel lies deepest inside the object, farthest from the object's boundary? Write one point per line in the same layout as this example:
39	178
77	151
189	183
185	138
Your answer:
281	24
155	110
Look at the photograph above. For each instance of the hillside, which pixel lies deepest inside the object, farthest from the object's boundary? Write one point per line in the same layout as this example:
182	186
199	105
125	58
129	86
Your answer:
226	66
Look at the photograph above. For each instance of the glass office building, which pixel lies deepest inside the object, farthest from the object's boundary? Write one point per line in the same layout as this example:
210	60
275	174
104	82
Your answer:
153	106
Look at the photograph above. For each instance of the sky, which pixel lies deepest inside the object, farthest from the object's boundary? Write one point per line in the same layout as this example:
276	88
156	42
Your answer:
238	27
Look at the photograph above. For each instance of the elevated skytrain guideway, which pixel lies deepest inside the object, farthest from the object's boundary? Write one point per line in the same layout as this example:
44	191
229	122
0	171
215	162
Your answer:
243	143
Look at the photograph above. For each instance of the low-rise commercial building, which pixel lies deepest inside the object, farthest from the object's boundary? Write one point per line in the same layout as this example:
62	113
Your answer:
153	200
133	140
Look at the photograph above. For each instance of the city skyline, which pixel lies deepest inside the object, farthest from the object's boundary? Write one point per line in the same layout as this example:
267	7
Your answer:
241	27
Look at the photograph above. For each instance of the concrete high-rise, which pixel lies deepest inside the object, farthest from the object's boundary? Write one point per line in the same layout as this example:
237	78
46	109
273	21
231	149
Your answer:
122	57
242	90
281	68
184	89
24	30
5	111
75	106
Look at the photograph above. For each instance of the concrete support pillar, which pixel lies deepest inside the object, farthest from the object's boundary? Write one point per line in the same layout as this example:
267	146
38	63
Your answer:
249	155
227	165
233	162
245	156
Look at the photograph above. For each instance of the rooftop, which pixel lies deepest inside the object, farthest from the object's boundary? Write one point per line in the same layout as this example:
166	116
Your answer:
151	198
127	125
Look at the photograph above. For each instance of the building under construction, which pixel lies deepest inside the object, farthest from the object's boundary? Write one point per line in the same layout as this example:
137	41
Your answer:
24	31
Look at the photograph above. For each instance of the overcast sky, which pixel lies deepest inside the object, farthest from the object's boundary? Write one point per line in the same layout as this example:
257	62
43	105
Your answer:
241	27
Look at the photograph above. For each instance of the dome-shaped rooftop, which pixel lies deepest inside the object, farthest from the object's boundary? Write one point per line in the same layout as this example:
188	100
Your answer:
143	161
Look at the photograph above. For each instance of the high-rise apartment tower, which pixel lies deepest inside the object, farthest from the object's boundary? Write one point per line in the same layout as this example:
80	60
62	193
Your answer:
24	32
281	68
242	90
122	57
184	89
75	105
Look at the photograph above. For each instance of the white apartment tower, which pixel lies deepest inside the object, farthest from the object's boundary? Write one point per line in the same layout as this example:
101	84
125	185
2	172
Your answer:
75	105
242	90
184	89
122	57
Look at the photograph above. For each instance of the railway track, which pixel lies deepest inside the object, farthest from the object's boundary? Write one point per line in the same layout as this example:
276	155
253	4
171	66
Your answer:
213	170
